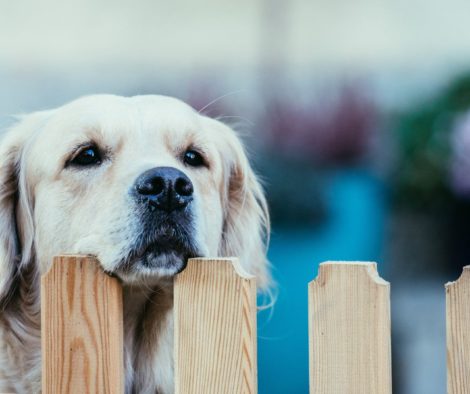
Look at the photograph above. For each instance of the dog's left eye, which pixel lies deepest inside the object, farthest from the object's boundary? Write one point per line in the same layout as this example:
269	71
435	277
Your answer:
193	158
87	156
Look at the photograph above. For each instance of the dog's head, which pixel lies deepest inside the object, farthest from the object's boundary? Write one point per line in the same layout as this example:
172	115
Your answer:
142	183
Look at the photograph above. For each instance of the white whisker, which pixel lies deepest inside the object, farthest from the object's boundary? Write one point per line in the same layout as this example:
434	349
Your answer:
236	117
220	98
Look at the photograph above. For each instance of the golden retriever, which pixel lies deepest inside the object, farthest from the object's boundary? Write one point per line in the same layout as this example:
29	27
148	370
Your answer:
143	183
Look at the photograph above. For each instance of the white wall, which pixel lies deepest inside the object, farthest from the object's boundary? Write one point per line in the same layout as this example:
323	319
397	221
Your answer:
309	33
54	50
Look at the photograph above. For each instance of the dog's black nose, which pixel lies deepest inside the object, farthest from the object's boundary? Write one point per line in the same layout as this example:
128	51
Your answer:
165	188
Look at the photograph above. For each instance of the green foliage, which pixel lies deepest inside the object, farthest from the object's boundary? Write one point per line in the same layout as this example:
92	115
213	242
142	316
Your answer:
421	176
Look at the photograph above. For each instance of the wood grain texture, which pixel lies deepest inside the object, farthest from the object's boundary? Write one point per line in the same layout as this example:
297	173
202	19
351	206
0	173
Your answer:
458	334
215	329
82	328
349	330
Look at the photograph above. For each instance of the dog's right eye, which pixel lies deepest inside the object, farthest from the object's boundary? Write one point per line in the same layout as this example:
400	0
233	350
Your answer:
87	156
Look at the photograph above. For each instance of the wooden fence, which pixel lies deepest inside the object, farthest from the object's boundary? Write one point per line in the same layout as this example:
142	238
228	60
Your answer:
215	329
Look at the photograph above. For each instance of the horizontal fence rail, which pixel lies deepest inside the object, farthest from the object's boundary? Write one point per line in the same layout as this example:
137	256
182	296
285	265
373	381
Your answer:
215	329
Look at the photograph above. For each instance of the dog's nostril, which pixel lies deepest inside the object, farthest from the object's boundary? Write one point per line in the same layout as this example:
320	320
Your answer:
151	186
183	187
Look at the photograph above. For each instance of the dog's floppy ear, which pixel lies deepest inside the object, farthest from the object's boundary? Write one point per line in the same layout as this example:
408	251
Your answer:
246	222
16	228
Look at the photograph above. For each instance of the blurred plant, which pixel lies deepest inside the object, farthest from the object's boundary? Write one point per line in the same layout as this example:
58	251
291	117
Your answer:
430	175
302	140
421	177
334	132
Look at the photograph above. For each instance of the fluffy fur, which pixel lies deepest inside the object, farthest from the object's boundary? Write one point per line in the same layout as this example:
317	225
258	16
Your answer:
48	207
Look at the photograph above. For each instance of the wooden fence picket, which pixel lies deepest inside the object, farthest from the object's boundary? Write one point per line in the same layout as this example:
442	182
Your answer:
458	334
349	330
215	329
82	328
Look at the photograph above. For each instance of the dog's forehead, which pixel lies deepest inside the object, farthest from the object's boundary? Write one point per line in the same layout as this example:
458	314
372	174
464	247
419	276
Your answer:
139	126
112	114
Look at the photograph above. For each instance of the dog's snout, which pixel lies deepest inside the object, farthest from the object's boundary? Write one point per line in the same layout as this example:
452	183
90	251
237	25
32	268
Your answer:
165	188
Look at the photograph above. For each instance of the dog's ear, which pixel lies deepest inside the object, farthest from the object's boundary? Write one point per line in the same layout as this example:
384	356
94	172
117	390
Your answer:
246	221
16	222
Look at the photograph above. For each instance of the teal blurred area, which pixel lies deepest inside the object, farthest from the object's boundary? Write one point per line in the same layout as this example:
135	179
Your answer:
352	230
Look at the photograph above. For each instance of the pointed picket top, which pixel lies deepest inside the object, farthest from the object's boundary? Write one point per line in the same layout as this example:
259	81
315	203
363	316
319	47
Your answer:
367	267
229	265
462	279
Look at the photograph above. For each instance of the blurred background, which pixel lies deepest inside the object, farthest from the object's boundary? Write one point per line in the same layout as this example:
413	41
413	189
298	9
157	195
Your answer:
355	114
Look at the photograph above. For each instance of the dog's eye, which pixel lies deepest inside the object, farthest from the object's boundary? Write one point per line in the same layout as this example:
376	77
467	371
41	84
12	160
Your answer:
193	158
87	156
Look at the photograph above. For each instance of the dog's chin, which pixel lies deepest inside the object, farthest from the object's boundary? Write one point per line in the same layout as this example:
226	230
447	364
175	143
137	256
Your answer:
154	264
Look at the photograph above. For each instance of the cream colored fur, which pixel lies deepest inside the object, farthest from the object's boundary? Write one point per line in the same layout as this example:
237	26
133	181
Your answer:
47	209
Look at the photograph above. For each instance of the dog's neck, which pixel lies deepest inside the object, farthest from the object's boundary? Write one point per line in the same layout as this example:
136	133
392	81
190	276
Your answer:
20	322
148	322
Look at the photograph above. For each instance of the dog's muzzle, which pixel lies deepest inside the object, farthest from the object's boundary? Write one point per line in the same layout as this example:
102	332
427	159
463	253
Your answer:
164	237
